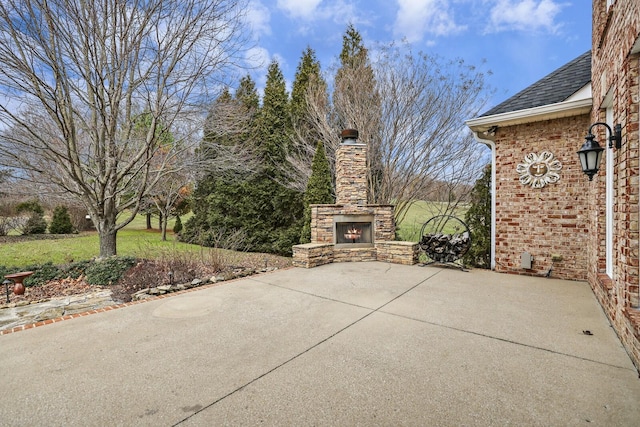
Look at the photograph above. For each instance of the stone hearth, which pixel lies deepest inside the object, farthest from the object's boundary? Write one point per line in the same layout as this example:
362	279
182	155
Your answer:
335	228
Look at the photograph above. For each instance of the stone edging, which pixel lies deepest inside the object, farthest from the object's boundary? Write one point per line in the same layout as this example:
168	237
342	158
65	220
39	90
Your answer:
141	300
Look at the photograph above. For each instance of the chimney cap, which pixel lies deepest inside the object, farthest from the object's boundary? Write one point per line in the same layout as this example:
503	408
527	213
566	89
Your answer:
349	134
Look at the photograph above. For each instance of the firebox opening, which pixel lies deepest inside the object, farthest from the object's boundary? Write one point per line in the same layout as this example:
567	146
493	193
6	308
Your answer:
353	230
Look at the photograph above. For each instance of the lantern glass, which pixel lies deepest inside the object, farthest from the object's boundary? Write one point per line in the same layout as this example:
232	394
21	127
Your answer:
590	156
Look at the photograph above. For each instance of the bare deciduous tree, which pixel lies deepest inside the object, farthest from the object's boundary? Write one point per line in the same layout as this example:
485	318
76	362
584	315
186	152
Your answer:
77	75
415	131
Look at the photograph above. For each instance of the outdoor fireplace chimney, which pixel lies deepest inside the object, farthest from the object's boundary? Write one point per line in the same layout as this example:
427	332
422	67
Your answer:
351	170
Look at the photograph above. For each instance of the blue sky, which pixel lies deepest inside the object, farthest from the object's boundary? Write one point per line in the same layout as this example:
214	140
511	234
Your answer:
520	41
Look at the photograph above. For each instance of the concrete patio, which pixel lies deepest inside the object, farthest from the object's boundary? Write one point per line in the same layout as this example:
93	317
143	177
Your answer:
342	344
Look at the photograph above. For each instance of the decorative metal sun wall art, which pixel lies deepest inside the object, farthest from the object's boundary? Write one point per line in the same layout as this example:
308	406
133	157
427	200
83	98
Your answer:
539	170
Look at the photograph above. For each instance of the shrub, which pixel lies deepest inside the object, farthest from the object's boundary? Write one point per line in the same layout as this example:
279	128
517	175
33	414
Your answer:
177	228
36	224
97	272
478	218
8	217
42	273
30	206
74	270
61	221
108	271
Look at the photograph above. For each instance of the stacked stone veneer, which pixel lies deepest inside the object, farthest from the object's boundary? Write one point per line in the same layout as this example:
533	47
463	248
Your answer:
322	223
351	174
351	199
615	81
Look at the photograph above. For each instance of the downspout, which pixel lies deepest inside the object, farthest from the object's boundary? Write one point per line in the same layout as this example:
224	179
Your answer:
492	145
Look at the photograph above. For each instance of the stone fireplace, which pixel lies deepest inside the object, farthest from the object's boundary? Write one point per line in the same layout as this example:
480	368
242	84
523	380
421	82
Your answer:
351	229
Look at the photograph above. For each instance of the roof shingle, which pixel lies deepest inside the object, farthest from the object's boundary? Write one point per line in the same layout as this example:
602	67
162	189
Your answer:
555	87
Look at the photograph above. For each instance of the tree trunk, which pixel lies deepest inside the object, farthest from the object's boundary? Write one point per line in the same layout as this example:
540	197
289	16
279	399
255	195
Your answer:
149	227
165	220
160	220
106	226
107	242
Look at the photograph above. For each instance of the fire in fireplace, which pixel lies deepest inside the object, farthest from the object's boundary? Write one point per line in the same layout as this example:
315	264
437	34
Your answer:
353	230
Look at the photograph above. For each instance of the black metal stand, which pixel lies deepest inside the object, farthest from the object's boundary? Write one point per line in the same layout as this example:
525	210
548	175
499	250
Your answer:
436	240
6	284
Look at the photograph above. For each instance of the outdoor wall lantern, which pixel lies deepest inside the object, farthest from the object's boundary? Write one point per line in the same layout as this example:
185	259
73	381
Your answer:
591	152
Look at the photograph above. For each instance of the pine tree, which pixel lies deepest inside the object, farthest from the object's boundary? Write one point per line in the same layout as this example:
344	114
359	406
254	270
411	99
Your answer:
61	221
308	82
319	189
357	103
277	209
218	201
247	95
478	218
274	123
258	205
177	227
307	74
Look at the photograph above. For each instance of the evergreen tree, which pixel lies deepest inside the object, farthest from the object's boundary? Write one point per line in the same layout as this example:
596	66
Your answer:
177	227
277	209
60	221
218	198
319	189
267	213
357	104
478	218
307	74
247	95
36	224
274	123
214	125
308	82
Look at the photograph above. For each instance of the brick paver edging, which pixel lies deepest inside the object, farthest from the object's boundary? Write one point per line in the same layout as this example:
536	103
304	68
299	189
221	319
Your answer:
124	304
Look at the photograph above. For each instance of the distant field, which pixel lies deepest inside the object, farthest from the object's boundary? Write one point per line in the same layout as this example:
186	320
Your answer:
419	213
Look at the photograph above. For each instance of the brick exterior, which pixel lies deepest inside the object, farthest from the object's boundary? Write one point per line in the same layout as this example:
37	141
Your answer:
548	222
615	71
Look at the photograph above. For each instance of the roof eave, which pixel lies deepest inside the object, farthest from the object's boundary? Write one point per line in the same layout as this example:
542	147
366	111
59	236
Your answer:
530	115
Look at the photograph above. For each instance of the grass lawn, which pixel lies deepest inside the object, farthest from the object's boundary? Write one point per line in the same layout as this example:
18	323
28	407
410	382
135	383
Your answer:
419	213
134	240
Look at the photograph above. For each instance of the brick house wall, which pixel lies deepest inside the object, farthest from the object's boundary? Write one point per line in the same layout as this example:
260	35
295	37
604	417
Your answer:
615	69
545	222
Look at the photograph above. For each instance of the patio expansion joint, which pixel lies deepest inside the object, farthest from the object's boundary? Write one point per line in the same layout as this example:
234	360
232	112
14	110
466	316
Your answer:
508	341
381	311
307	350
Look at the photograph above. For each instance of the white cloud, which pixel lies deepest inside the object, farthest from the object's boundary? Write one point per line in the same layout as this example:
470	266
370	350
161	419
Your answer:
299	8
257	58
258	18
524	15
415	18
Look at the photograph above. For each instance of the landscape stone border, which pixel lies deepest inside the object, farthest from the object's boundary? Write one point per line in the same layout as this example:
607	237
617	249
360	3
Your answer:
73	311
